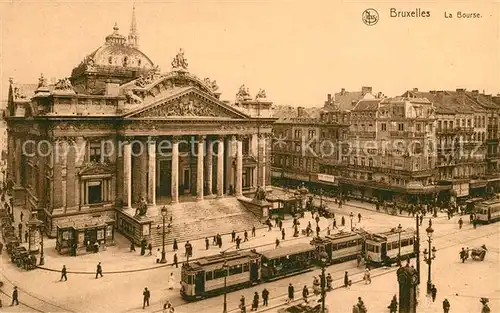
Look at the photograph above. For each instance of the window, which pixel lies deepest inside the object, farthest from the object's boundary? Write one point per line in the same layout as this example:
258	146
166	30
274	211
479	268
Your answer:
95	152
109	231
100	234
219	273
246	146
298	134
383	127
401	127
110	60
209	275
418	128
94	192
234	270
370	162
311	133
139	62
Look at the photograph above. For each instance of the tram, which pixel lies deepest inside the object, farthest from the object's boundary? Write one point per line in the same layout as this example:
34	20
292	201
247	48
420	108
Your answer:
287	260
383	248
340	247
488	211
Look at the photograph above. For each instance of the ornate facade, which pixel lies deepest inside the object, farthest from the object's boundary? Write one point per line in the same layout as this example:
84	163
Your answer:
118	132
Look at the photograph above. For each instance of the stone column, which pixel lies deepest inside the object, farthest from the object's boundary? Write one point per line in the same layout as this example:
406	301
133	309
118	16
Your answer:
239	167
199	169
64	174
143	173
229	171
263	144
152	172
209	166
127	175
18	164
220	166
175	170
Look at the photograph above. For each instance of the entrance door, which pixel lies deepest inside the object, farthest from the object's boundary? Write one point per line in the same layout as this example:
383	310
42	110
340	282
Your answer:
90	236
254	271
165	178
199	283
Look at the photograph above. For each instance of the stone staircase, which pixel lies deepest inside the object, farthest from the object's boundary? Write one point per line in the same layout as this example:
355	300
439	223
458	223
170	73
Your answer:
195	220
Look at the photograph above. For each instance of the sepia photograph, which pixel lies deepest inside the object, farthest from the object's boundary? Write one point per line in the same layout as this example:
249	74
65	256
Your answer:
187	156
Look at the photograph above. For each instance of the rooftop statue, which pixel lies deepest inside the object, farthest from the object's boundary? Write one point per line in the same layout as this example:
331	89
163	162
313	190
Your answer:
180	62
261	94
42	81
63	84
211	84
243	93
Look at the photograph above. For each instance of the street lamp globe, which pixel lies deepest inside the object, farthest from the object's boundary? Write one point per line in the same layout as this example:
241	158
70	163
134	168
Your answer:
164	211
323	257
351	215
400	228
429	230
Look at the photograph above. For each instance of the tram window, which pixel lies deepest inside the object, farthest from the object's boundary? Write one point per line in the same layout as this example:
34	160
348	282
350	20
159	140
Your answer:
342	245
190	279
219	273
352	243
405	242
237	269
246	268
411	241
209	276
377	249
360	242
370	248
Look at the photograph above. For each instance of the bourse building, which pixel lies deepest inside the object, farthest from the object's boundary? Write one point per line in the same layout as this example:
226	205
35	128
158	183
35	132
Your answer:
117	132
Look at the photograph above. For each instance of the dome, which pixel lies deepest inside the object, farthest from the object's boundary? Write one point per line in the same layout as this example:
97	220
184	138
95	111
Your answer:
116	51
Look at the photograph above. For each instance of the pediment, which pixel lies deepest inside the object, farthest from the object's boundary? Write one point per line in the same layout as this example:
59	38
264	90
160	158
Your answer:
95	168
190	104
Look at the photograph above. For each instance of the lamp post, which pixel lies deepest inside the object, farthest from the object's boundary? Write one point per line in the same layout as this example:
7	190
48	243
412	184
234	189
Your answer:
351	215
321	198
429	255
399	242
417	247
42	259
164	215
225	268
323	257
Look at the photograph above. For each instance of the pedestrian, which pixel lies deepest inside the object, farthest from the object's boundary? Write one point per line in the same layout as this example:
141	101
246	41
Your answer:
143	246
282	234
277	242
242	304
446	306
166	307
290	293
305	294
317	230
214	240
21	216
15	296
253	231
238	242
233	236
207	243
361	306
99	270
346	279
474	223
219	241
328	232
359	217
433	292
63	274
463	255
334	223
175	246
359	258
245	236
317	219
393	307
342	221
280	224
460	223
255	302
150	248
158	255
265	297
176	261
146	295
367	277
171	281
132	246
421	219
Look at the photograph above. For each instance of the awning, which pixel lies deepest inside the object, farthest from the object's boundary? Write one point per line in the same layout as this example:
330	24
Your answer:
478	183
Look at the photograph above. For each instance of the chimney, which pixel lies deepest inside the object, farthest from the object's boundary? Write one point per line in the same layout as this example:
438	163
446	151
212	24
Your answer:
475	93
365	90
342	91
433	92
300	112
460	90
329	98
415	89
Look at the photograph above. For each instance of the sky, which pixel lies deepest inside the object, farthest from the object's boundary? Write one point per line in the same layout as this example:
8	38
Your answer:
298	51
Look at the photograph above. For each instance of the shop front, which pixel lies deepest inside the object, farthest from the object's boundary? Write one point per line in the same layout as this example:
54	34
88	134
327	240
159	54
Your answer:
80	238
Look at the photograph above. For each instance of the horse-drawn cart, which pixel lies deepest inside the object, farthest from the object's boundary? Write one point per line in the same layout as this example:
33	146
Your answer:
479	253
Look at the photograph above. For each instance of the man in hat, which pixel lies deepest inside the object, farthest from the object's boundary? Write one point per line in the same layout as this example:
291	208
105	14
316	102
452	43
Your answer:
15	296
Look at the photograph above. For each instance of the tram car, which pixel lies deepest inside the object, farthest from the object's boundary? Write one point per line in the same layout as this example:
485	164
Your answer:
288	260
340	247
488	211
210	276
383	248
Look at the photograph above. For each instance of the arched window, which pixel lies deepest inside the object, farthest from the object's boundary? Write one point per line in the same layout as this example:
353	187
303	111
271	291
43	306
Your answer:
139	62
110	60
125	61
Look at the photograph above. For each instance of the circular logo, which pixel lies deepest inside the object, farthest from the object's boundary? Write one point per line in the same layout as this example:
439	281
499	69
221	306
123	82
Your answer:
370	17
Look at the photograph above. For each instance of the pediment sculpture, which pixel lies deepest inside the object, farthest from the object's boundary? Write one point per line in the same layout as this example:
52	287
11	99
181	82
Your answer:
261	94
180	62
95	168
132	98
90	64
243	93
147	79
188	107
18	94
63	84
